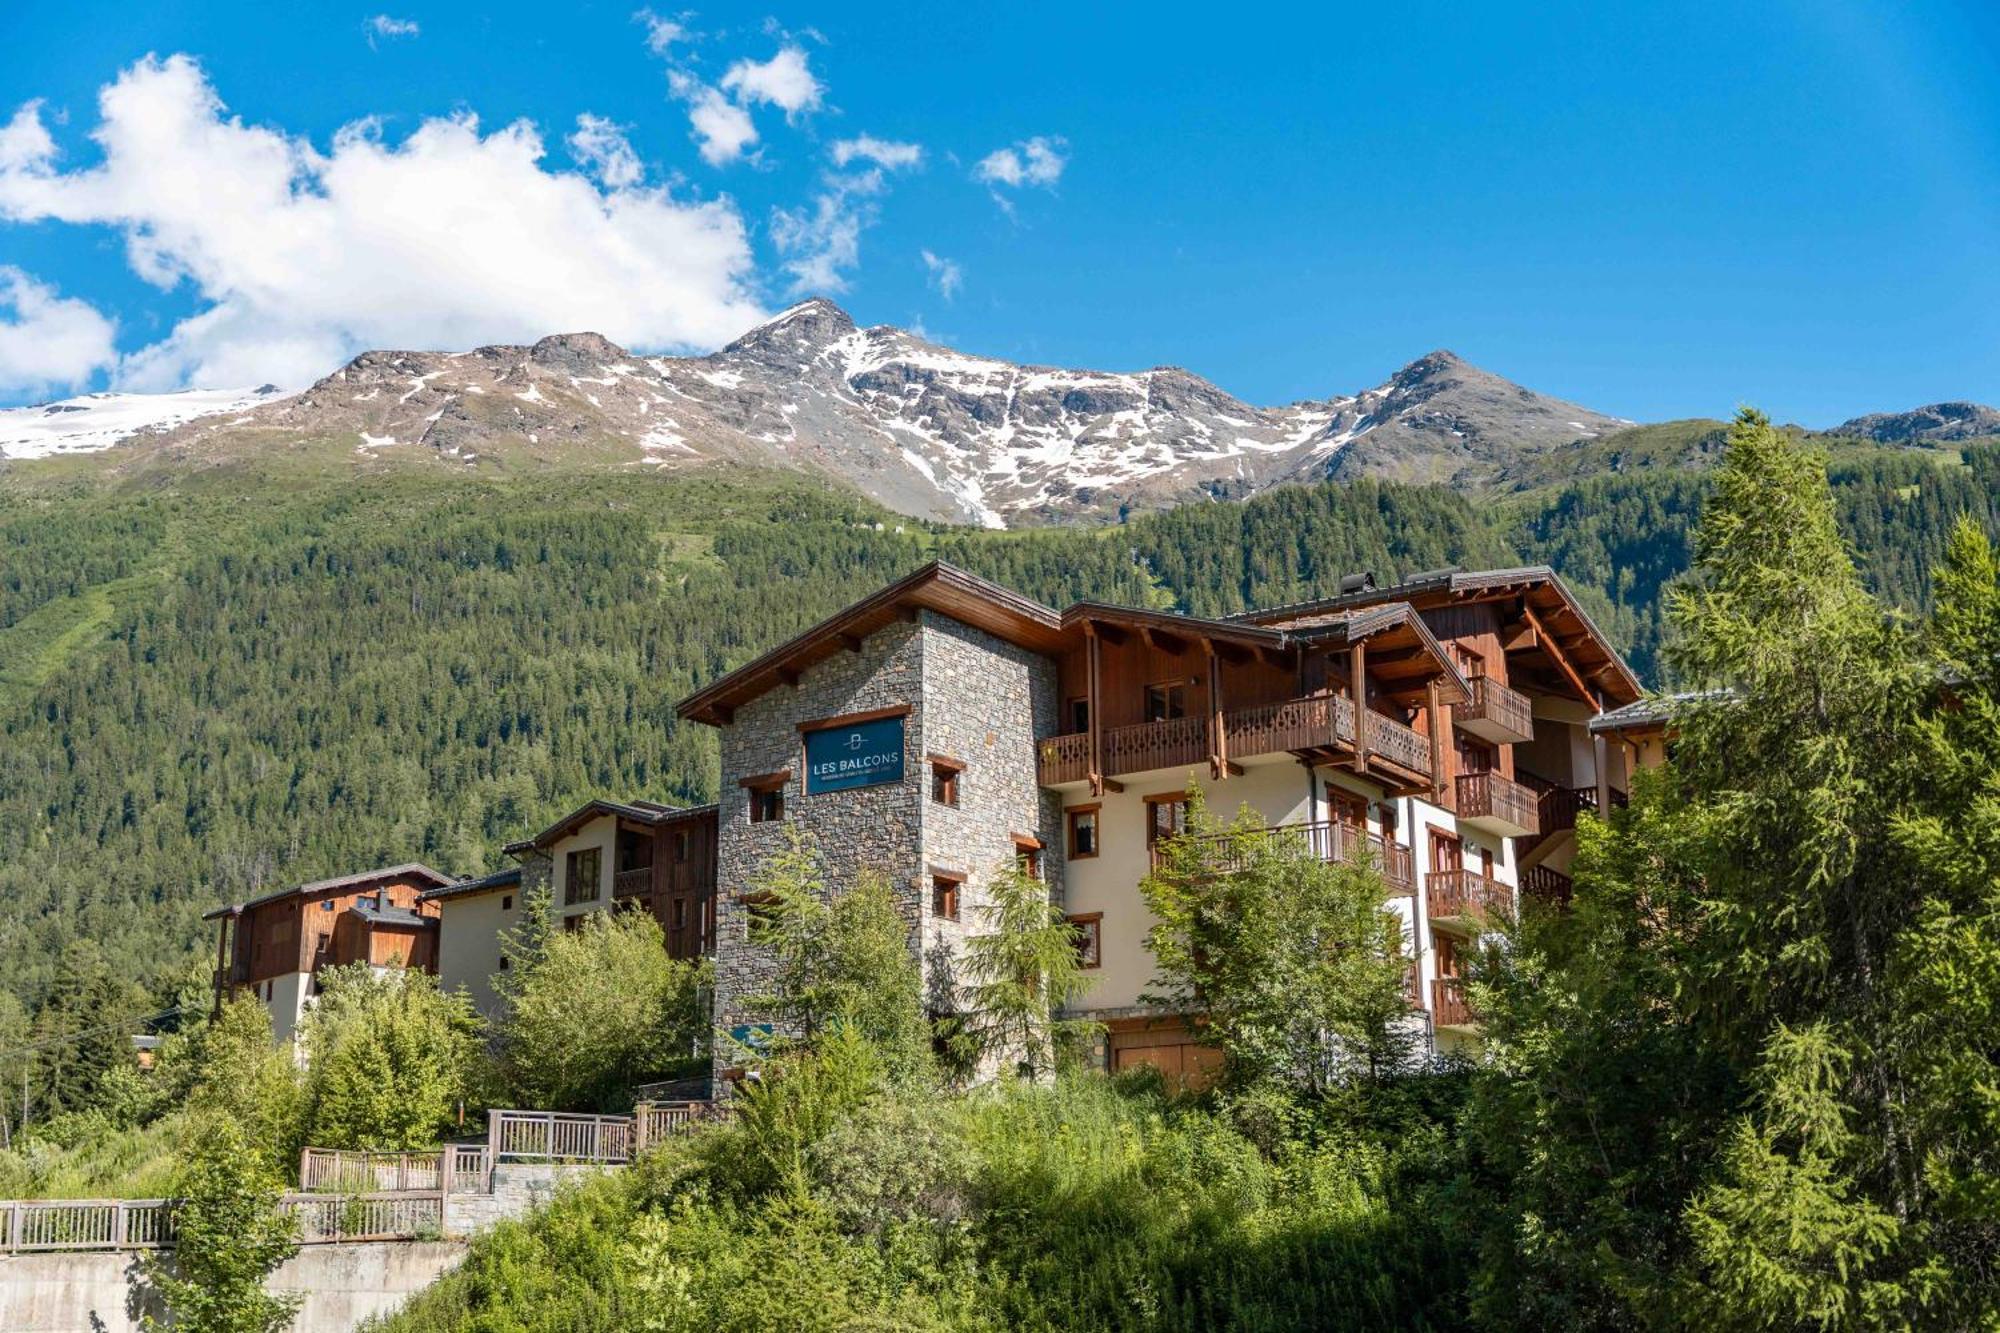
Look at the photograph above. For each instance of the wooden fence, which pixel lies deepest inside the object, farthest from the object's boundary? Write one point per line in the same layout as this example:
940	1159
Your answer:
454	1169
34	1225
566	1137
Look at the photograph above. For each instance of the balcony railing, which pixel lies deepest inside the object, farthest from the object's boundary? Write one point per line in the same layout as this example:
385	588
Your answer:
1398	744
1295	724
1448	1006
1466	895
1181	742
634	883
1328	840
1497	804
1549	886
1320	722
1496	713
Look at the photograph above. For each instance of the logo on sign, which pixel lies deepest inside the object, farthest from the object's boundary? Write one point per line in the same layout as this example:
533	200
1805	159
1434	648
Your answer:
864	755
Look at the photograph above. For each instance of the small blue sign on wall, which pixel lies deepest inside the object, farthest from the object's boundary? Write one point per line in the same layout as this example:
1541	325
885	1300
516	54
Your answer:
863	754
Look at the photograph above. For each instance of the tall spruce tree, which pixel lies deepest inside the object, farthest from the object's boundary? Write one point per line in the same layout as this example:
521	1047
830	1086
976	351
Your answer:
1709	1105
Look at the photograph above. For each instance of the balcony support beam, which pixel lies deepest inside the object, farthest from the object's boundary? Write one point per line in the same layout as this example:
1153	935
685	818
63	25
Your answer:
1434	714
1357	665
1218	734
1093	650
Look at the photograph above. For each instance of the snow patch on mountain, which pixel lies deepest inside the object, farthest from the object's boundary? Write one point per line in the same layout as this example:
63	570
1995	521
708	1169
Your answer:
99	420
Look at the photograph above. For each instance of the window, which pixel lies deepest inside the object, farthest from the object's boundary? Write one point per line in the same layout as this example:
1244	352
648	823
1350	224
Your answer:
683	840
1474	757
1079	713
1347	808
767	804
945	888
582	873
1166	816
1166	701
505	962
1028	855
506	902
680	913
1446	852
944	779
1082	831
1089	929
1471	665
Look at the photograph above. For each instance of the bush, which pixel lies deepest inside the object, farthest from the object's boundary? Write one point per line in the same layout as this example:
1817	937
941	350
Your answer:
390	1060
595	1012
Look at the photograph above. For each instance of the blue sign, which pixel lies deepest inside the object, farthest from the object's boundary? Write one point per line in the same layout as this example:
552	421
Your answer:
861	755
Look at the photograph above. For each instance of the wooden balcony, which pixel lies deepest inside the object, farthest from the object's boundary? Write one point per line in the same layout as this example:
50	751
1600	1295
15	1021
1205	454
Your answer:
1547	886
1293	726
1497	805
634	883
1448	1006
1465	899
1496	713
1330	841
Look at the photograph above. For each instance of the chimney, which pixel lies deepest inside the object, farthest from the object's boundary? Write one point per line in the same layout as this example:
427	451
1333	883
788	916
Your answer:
1351	583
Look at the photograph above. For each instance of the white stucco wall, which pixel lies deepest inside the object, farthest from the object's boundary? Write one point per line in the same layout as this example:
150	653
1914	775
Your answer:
601	833
469	931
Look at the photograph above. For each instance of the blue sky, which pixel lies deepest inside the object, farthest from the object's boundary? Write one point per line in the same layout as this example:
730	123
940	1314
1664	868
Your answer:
1657	210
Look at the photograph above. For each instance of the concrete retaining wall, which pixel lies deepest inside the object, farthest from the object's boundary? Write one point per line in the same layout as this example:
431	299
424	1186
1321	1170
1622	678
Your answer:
99	1293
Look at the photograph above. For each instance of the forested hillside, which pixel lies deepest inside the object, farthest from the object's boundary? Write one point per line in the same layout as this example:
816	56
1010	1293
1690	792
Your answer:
223	683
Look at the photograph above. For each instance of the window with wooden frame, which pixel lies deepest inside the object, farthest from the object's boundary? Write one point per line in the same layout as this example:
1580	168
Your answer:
1089	928
946	886
1166	816
767	796
1447	852
1166	701
683	840
1028	855
582	873
1346	807
1083	841
1078	712
1473	757
680	913
945	775
1471	664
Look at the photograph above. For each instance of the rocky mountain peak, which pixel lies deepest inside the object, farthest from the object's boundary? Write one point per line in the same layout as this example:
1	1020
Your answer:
808	326
1935	423
577	353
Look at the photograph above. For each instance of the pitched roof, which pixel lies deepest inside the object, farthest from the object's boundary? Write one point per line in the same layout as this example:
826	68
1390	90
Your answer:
644	812
467	888
377	915
938	586
407	870
1444	587
1652	713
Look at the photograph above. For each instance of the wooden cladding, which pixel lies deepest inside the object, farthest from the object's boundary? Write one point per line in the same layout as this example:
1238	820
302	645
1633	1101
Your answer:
1322	723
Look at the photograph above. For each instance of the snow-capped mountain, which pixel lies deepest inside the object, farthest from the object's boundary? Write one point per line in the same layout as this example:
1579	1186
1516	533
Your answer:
100	420
922	428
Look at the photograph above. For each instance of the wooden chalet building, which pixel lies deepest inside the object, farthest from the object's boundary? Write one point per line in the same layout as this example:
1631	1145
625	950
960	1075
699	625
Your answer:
946	726
275	946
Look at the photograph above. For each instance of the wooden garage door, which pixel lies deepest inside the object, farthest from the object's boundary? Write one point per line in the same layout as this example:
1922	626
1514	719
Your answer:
1183	1061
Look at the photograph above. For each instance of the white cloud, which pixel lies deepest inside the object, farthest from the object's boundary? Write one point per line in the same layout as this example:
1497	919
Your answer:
661	33
723	131
945	274
783	81
1033	162
822	241
600	147
385	27
448	239
882	152
48	341
24	140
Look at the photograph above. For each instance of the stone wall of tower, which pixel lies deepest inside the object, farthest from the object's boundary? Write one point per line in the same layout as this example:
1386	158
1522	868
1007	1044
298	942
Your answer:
971	697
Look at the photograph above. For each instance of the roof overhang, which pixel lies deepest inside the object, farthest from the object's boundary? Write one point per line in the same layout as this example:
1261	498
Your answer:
408	870
1558	625
1403	655
646	815
938	587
